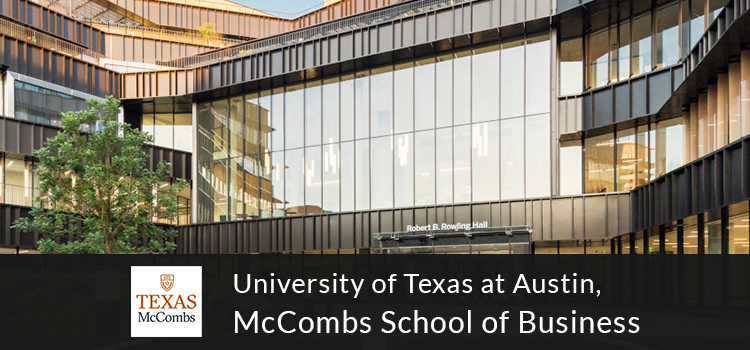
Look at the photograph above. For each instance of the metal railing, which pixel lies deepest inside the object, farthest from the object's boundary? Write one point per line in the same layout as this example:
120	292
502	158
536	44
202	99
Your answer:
46	41
164	34
332	28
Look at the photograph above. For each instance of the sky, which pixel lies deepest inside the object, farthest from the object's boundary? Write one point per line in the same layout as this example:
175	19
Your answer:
287	6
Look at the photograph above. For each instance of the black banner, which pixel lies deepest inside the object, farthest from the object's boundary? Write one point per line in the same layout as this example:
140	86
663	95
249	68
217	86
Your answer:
383	302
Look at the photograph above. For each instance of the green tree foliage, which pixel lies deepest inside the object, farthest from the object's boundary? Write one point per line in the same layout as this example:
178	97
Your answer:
207	30
97	195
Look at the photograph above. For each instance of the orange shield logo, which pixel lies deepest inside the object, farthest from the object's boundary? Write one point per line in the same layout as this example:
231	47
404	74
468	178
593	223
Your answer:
167	282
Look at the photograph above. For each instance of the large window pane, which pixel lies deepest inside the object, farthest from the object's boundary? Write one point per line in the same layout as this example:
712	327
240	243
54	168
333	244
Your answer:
669	145
381	93
183	132
641	48
330	110
571	167
382	171
424	169
313	180
485	157
331	173
462	87
667	35
251	122
237	195
277	120
537	74
739	233
236	125
643	159
403	97
598	59
538	182
295	116
485	87
599	163
623	52
571	66
295	182
444	171
313	110
347	176
462	164
362	174
511	158
347	108
277	183
626	160
697	21
264	116
444	91
362	105
164	129
404	171
424	94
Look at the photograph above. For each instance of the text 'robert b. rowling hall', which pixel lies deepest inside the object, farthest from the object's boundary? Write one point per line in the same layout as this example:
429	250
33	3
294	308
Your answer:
426	126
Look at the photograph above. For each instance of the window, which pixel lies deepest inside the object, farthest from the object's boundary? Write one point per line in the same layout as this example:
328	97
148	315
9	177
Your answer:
444	91
571	167
313	110
403	97
537	74
512	158
331	110
331	172
313	180
485	87
538	156
598	59
739	234
512	79
424	167
571	66
362	105
362	174
599	156
444	171
295	182
641	47
462	164
382	170
485	145
669	145
295	117
404	170
667	36
381	93
627	160
424	94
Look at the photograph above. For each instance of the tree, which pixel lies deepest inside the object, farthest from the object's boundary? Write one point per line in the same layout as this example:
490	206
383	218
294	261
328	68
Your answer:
97	195
208	30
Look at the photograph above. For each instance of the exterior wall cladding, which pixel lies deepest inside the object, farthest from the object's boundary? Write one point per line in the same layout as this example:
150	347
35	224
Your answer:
605	126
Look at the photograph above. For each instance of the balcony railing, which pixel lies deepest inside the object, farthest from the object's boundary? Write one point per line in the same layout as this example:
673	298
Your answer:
49	42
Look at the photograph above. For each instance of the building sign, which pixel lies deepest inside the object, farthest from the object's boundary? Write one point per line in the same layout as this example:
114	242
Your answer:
447	226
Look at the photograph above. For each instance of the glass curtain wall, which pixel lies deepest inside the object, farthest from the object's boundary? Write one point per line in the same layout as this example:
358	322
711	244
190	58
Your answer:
171	124
461	126
632	38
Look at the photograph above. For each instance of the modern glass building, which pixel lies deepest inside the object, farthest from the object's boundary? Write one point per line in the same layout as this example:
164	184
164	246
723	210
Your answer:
602	126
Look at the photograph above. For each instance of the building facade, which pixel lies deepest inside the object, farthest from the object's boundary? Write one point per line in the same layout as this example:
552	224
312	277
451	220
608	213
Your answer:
603	126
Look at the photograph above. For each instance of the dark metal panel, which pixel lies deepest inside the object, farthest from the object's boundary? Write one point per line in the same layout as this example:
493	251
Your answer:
546	217
297	236
504	213
407	218
603	107
386	221
518	213
375	222
420	216
495	214
445	24
373	40
265	236
420	30
613	212
431	27
660	89
385	37
639	97
578	218
303	233
480	212
586	113
622	102
595	212
408	32
462	213
623	207
562	218
334	231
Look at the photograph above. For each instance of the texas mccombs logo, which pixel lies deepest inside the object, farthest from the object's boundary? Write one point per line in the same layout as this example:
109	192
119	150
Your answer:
166	301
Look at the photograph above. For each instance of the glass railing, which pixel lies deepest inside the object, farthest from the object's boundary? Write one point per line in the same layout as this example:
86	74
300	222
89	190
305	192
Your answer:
332	28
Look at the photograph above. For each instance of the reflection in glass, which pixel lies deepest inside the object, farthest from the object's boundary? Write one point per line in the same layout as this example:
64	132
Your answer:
644	160
571	167
331	110
511	80
485	145
404	171
444	171
277	183
444	90
277	119
623	53
598	58
362	174
313	110
424	167
670	241
712	237
571	66
462	164
537	74
424	94
362	105
295	117
690	240
538	156
512	158
313	180
347	176
382	173
641	48
347	107
381	95
403	96
331	171
669	145
667	35
249	127
462	87
599	160
697	21
485	85
295	182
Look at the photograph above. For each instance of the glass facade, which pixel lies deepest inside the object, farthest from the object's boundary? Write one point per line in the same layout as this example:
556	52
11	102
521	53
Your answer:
472	125
40	105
